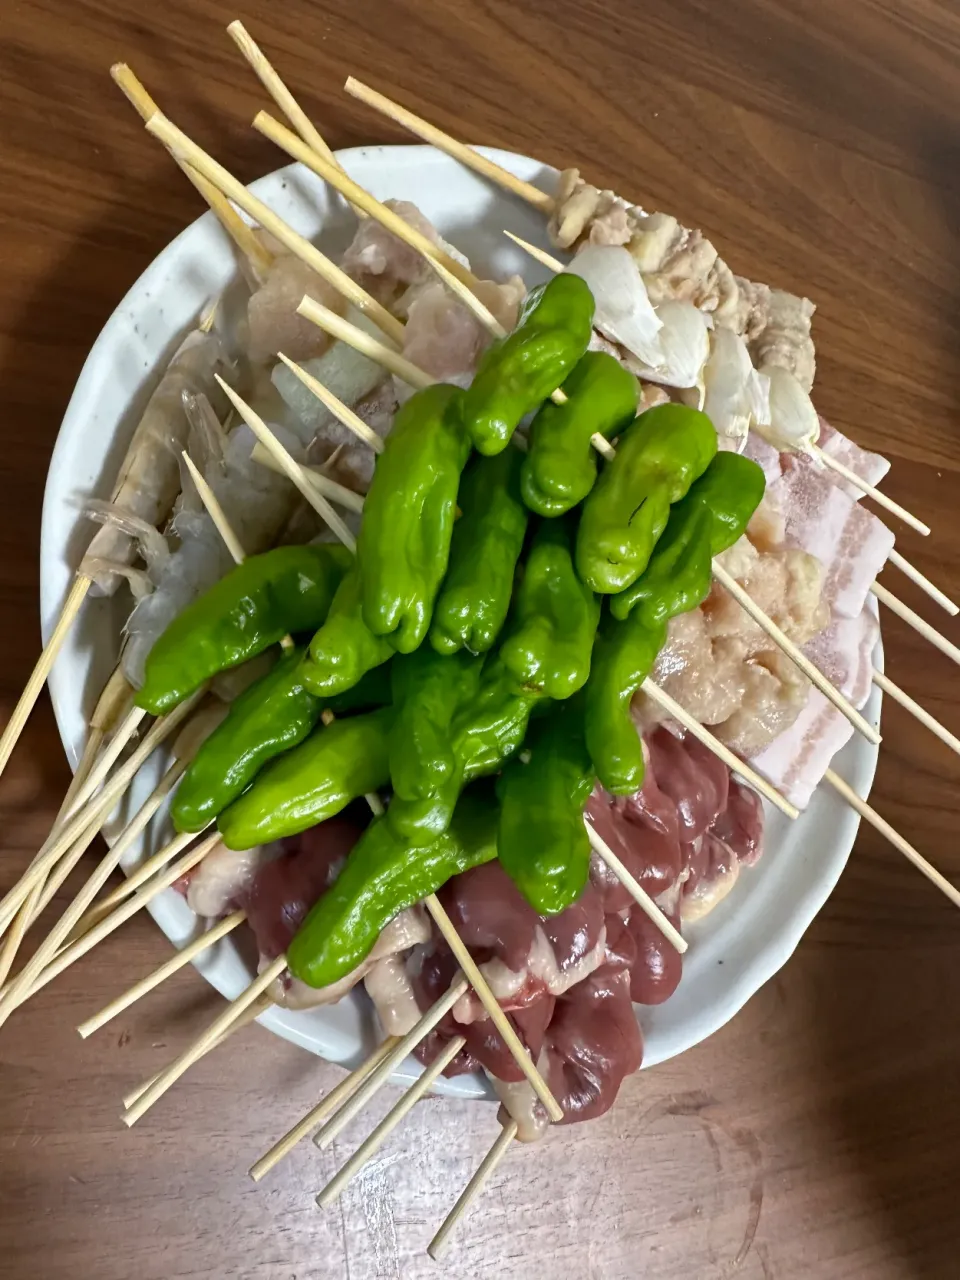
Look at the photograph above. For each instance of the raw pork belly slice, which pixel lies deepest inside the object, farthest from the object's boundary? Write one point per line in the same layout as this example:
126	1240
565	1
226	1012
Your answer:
851	543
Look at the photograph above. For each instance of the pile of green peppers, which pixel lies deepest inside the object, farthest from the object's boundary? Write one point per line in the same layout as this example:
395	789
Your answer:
479	654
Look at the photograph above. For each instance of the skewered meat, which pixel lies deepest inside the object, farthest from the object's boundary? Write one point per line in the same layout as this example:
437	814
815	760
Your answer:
283	890
683	837
870	467
583	213
286	888
386	266
346	459
795	762
851	543
149	478
220	882
722	668
348	374
681	265
444	338
272	319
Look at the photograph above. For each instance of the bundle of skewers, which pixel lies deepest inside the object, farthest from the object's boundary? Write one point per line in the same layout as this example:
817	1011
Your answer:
476	624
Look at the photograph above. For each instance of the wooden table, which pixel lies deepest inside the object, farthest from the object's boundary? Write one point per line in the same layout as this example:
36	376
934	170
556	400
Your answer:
818	1134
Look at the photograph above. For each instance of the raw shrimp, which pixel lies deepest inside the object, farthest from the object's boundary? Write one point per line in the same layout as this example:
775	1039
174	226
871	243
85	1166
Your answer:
257	503
149	478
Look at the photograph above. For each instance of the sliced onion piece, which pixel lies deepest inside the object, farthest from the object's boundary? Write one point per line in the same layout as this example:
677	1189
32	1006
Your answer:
685	341
793	424
624	313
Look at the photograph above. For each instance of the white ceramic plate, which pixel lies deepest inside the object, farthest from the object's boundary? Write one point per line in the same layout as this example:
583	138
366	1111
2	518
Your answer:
738	947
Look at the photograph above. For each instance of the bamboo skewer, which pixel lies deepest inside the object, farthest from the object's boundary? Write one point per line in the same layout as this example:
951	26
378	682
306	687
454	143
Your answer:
331	172
918	712
99	807
140	874
732	761
458	150
107	759
240	232
541	255
325	1107
65	958
923	582
67	927
920	625
38	677
640	895
249	1015
371	1145
521	1055
896	839
281	95
827	460
23	985
113	704
176	962
277	90
185	149
35	903
363	342
196	1051
488	1164
214	509
290	468
385	1068
326	487
84	809
794	653
339	410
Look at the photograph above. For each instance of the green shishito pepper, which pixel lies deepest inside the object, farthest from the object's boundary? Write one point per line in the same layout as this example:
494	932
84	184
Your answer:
269	718
553	619
344	649
482	725
336	764
523	368
426	775
272	716
711	518
561	465
408	516
383	875
623	657
251	608
541	840
487	540
658	458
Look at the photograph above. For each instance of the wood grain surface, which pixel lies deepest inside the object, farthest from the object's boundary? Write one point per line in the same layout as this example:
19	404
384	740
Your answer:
818	1134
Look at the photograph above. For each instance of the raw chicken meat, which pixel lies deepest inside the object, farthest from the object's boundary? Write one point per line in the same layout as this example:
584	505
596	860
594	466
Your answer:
272	320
